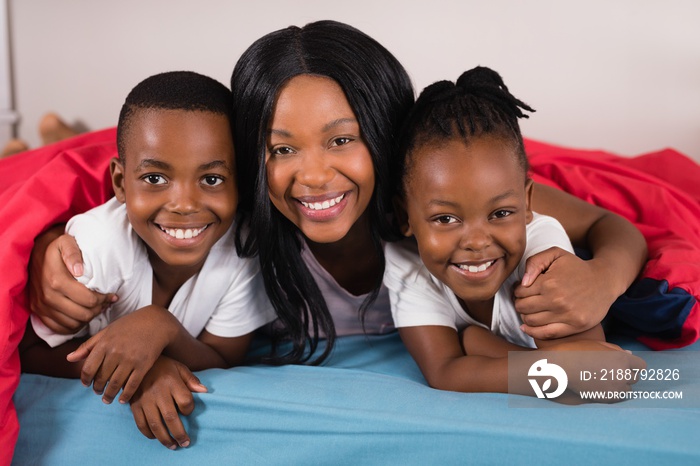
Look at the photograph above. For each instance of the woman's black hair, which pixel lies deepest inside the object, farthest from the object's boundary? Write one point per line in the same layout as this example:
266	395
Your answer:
380	94
478	104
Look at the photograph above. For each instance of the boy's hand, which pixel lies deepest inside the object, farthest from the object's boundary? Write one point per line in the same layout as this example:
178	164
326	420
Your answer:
123	353
559	295
63	304
165	390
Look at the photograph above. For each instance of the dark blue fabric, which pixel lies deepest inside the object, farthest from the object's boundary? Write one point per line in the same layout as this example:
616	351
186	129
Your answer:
650	309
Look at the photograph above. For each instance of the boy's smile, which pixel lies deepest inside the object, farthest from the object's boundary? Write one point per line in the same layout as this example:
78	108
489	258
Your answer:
468	206
320	173
178	183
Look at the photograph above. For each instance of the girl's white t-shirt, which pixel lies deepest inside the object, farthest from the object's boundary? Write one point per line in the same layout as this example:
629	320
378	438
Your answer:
419	299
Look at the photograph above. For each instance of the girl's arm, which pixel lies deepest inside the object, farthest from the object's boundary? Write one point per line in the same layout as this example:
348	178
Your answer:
574	295
439	356
480	341
438	353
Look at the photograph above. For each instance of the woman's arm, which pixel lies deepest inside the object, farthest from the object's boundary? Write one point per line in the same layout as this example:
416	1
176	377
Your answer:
574	295
63	304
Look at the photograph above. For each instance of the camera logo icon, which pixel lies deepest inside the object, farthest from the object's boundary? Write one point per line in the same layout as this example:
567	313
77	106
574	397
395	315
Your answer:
543	371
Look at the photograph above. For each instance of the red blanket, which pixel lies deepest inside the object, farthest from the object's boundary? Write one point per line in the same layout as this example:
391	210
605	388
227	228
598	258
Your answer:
657	192
660	194
38	189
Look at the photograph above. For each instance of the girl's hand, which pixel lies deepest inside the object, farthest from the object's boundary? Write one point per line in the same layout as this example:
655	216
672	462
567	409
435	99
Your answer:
124	352
62	303
591	356
165	390
561	295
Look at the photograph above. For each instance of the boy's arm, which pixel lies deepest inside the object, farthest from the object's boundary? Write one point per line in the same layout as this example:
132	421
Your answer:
37	357
207	350
124	352
560	302
166	392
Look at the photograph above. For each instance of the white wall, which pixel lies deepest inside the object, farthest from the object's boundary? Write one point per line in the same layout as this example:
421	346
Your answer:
8	117
621	75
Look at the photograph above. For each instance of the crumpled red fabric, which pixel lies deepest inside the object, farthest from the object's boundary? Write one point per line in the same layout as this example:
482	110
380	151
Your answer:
39	189
660	193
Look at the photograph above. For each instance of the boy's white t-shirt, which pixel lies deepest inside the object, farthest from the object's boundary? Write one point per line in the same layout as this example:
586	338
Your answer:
418	298
226	297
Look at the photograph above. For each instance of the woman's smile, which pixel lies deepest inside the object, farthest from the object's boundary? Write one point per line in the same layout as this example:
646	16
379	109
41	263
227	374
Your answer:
323	208
320	173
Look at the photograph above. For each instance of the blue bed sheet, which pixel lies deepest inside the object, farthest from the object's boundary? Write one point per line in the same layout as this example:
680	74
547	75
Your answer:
369	404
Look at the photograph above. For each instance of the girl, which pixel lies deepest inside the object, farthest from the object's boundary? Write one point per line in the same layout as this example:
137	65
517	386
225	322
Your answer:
317	112
467	195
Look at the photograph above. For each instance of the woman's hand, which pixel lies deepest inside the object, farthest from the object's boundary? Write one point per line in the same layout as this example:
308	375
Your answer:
166	389
561	295
63	304
125	351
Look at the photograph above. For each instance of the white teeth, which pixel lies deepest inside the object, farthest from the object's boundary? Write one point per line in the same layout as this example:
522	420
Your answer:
322	205
474	268
188	233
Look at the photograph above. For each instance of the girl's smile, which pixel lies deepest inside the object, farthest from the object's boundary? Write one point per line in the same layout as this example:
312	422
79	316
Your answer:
474	268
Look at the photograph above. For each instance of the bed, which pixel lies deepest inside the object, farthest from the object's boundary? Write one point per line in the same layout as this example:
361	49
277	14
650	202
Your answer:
369	403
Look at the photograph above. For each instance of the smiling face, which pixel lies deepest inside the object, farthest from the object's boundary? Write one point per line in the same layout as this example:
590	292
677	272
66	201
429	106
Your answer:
320	173
468	206
178	183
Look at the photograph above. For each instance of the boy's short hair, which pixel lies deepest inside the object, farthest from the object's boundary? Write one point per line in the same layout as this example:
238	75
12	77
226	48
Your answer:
173	90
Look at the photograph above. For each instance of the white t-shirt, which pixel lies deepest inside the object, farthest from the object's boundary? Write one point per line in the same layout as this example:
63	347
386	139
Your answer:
226	297
344	306
418	298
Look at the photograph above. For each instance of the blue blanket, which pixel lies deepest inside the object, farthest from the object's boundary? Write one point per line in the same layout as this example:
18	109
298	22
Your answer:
369	404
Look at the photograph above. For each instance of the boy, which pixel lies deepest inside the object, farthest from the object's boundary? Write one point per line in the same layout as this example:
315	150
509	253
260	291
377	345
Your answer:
164	244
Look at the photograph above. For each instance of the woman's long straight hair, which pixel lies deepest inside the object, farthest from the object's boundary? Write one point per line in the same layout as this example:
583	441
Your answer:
380	94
